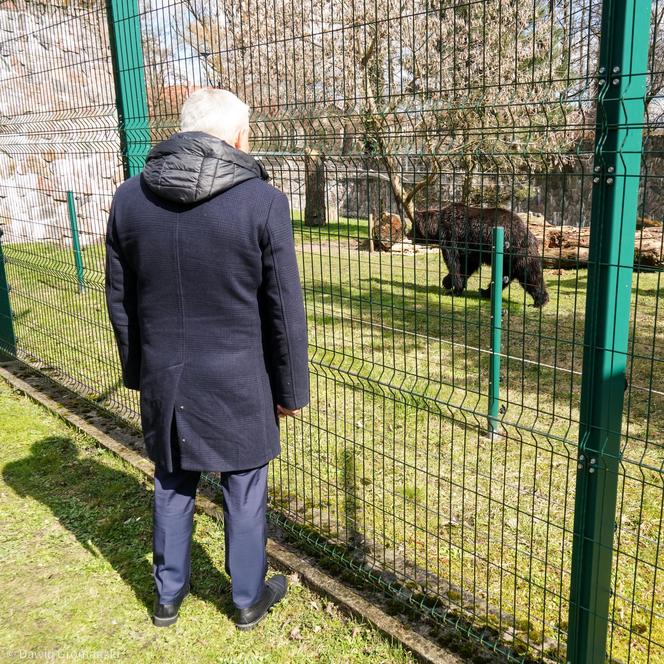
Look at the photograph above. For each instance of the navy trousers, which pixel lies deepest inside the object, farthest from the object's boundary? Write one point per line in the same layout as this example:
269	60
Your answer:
245	530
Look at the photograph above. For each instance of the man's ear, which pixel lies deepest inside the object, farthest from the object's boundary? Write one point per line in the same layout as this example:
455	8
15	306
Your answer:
241	136
238	139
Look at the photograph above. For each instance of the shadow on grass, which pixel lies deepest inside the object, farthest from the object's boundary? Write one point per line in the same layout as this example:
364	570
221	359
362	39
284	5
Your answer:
109	512
411	323
19	316
110	391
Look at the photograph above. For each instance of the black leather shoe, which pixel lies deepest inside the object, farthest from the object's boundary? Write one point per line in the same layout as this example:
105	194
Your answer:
275	589
166	614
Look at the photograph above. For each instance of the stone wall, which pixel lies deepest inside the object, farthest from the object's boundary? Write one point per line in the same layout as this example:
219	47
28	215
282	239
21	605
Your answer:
562	196
58	124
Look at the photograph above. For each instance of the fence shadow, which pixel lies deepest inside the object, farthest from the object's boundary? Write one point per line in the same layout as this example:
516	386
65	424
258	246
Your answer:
109	512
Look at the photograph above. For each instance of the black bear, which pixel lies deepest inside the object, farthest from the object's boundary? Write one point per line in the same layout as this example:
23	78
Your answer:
465	237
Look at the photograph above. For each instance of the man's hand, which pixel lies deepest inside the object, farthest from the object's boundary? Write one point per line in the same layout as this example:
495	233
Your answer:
285	412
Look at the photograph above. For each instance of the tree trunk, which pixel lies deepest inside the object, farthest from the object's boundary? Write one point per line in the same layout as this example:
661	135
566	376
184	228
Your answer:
468	165
348	137
314	208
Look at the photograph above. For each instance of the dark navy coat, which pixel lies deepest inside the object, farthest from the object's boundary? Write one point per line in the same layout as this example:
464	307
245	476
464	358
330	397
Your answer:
204	296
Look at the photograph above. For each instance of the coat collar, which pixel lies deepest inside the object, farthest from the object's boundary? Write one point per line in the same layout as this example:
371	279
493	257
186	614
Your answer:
192	166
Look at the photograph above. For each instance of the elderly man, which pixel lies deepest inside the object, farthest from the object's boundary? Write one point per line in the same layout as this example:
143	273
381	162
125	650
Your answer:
204	296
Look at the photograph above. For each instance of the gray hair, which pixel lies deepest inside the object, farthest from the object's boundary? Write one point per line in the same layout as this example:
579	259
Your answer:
216	112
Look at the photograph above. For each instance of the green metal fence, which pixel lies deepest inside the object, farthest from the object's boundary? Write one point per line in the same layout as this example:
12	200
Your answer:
490	464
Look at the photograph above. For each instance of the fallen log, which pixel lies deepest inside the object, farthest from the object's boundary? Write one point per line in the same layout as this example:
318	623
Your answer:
568	246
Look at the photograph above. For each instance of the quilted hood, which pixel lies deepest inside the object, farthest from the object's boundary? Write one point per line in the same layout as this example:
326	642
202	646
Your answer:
192	166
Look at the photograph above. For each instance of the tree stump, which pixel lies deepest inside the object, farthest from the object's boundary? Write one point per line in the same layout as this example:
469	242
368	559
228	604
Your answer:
314	206
388	230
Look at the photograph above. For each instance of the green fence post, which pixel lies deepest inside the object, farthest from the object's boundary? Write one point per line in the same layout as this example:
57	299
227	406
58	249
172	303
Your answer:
7	336
496	326
128	71
618	147
78	259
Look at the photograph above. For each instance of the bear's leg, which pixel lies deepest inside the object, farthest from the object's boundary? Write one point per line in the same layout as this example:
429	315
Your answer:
506	279
470	261
454	280
531	277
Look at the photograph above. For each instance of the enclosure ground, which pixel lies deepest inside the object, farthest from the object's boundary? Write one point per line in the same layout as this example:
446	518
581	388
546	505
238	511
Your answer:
388	449
75	577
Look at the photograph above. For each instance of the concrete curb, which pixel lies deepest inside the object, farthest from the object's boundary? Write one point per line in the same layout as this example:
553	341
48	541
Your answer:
281	556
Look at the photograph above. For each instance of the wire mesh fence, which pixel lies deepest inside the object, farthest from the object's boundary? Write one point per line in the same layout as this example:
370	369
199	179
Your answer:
470	474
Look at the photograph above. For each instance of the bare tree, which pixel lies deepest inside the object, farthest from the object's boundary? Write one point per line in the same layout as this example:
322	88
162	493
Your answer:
166	86
475	93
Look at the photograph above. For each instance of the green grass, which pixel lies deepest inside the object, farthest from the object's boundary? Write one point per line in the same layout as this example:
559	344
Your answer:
390	448
344	228
75	567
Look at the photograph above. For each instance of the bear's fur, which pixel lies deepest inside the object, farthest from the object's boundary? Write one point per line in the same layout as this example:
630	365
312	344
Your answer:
465	237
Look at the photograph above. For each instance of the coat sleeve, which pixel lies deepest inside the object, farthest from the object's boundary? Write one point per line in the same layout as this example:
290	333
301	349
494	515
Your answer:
286	321
121	303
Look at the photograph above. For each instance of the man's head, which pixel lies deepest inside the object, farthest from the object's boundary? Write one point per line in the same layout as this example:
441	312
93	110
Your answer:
217	112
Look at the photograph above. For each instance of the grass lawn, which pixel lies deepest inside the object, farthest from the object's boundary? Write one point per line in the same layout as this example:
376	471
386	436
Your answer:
75	567
390	456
